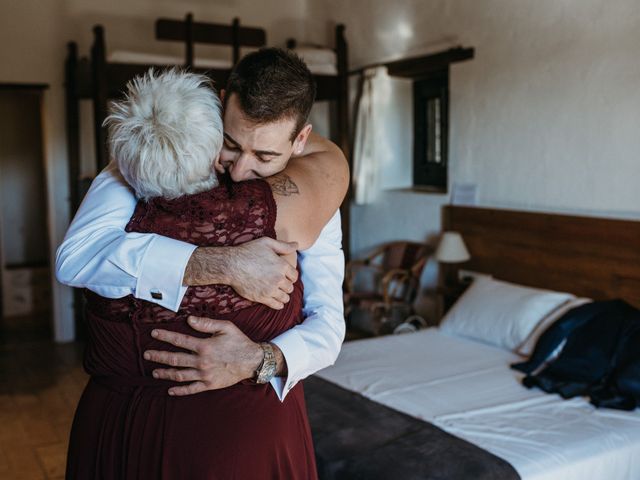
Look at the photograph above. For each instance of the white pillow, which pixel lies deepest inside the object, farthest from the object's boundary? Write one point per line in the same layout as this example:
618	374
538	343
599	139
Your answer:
527	347
500	313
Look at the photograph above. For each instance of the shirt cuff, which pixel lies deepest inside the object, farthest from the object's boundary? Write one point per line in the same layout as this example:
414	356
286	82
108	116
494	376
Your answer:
162	271
296	354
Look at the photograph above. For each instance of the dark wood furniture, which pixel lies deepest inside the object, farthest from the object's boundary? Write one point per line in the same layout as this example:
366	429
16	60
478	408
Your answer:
96	79
450	293
593	257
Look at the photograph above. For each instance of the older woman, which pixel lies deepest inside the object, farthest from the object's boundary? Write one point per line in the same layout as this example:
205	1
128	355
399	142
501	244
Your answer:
164	139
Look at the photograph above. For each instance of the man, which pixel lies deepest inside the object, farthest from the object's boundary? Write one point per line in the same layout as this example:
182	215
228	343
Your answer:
261	136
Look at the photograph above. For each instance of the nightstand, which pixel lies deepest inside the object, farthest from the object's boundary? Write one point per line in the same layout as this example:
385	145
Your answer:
451	293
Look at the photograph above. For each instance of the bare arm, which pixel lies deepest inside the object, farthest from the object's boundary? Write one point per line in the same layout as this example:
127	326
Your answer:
316	181
256	270
97	253
309	191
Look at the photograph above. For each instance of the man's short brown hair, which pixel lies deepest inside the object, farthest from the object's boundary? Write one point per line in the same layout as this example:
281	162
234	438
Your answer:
273	84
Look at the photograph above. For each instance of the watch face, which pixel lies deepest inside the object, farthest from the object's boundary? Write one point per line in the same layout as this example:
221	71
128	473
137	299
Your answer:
271	370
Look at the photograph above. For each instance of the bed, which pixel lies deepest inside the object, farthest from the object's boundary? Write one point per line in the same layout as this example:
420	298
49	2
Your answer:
464	386
321	61
467	389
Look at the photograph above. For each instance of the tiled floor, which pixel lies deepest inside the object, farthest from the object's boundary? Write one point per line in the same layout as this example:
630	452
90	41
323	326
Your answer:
40	384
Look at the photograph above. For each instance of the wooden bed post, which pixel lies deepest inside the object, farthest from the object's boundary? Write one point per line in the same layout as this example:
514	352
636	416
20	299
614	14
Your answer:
235	36
343	136
73	124
72	106
188	25
100	94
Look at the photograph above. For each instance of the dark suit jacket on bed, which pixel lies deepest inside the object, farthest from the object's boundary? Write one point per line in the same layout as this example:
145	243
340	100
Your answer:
600	359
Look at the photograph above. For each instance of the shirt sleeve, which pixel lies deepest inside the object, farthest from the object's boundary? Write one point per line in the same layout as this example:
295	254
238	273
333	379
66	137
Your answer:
97	253
315	343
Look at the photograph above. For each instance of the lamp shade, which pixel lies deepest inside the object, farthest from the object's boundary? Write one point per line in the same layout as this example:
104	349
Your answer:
452	249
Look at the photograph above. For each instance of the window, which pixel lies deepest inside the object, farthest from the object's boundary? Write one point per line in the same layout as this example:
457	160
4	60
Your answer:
431	131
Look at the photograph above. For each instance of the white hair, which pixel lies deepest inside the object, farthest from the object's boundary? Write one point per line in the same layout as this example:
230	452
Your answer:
166	133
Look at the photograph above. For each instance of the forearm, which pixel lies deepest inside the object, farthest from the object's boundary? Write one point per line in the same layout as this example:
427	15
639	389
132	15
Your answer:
94	237
250	359
97	253
315	343
255	270
208	265
98	262
312	345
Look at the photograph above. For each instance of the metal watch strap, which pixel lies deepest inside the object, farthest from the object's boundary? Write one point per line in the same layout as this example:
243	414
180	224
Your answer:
267	369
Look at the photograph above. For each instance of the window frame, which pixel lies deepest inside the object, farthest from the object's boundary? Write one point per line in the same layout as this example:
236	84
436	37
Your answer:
430	175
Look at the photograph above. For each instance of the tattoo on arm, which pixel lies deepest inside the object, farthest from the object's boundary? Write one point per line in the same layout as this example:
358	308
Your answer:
282	184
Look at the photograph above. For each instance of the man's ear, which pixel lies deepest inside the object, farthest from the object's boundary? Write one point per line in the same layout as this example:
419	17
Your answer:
301	139
217	164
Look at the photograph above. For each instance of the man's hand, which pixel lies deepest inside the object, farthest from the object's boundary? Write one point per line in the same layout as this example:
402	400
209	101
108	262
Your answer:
219	361
256	270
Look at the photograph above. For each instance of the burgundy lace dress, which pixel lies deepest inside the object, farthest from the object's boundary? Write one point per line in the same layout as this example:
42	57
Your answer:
126	426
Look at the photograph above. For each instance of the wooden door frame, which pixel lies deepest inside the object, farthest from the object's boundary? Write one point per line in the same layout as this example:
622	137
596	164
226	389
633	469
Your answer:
40	89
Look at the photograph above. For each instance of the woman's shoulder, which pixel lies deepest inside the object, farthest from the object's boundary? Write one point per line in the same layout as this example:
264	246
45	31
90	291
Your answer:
257	197
257	186
250	202
236	211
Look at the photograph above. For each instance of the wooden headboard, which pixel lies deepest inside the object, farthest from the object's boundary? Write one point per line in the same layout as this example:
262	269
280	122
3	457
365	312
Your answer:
592	257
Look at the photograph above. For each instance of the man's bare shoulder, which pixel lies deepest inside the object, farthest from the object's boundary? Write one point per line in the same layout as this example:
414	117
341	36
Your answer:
309	191
282	184
321	162
318	145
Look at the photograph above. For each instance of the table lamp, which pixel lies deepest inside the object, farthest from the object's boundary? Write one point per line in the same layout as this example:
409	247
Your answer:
451	250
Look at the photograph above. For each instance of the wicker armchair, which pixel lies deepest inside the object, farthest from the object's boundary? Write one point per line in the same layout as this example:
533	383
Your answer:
393	273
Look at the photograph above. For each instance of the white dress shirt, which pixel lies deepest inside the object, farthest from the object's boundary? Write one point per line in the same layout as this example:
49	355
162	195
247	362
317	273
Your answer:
98	254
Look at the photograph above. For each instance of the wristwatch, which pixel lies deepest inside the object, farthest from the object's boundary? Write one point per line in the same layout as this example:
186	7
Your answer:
267	369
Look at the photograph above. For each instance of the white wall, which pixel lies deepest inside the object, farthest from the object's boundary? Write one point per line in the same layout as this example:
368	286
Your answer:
33	37
544	118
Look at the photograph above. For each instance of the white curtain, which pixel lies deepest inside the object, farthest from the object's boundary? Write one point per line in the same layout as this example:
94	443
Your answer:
370	142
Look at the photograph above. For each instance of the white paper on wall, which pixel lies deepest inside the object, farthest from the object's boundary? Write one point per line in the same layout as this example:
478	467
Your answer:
464	194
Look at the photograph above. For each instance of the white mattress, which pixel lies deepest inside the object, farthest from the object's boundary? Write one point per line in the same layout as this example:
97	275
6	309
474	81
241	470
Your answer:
122	56
468	389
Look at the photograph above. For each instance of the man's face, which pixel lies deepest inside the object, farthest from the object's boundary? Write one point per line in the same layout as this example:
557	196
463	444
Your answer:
256	151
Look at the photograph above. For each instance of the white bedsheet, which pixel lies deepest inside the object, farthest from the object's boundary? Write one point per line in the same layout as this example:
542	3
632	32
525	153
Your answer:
123	56
468	389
